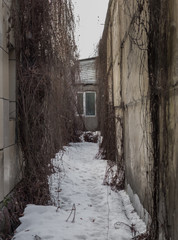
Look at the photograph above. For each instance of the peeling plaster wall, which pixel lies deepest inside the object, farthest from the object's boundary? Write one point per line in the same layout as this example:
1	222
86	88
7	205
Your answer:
9	164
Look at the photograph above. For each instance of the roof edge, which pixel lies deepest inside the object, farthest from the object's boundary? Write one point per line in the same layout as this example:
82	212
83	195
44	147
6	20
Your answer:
84	59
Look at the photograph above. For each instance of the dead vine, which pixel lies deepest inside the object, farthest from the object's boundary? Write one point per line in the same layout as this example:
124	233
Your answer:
106	113
46	67
73	210
113	178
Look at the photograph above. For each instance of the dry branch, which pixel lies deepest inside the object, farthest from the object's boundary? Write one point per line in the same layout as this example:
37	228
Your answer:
46	66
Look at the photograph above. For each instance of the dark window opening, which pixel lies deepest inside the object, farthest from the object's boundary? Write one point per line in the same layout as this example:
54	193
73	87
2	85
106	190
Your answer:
90	103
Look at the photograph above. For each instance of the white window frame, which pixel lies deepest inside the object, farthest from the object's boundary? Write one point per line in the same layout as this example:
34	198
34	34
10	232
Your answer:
84	104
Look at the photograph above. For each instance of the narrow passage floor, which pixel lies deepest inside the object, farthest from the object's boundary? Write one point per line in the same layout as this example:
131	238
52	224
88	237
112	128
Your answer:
85	209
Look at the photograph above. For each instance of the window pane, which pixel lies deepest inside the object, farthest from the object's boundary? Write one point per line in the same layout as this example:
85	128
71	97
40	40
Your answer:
90	104
80	103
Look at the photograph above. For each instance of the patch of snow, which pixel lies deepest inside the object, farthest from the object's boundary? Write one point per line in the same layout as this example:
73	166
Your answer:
84	208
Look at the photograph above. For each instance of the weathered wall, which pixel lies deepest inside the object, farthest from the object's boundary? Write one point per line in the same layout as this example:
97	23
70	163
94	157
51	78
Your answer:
127	66
171	109
150	177
9	167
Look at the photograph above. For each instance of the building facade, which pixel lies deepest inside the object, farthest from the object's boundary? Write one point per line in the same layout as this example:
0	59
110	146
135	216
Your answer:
86	88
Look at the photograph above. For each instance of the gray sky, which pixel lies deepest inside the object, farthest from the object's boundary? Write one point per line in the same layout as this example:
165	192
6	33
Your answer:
91	14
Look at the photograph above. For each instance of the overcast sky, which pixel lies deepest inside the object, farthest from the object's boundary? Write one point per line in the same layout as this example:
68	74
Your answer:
89	28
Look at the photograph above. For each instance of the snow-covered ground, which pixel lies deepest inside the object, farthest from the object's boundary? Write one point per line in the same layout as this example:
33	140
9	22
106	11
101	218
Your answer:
85	208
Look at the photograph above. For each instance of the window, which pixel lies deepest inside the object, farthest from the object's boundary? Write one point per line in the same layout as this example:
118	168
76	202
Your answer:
90	103
86	104
80	103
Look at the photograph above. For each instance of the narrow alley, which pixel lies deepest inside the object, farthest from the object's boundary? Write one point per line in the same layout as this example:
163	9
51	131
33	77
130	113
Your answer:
88	120
85	208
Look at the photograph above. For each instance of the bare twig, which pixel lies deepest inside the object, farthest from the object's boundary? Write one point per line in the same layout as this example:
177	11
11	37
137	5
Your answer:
73	210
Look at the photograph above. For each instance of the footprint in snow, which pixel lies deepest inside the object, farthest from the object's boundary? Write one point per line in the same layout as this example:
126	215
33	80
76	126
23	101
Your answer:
82	237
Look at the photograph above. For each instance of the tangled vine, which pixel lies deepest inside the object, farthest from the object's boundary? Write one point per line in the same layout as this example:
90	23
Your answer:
46	67
106	113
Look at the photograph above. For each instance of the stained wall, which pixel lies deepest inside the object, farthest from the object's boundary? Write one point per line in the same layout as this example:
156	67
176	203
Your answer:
9	163
129	92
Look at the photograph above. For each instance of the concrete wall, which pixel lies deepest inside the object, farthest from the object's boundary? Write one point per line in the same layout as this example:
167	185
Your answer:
9	166
129	92
128	89
172	123
87	83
